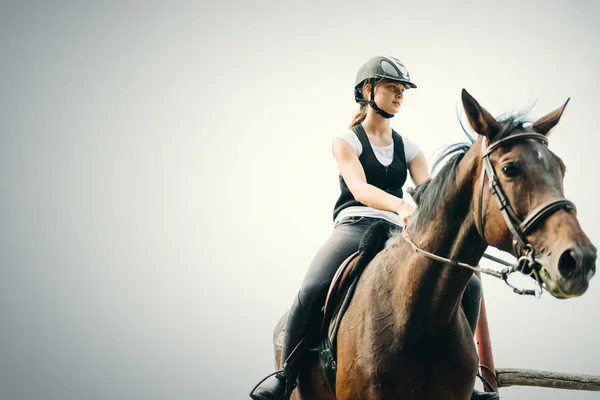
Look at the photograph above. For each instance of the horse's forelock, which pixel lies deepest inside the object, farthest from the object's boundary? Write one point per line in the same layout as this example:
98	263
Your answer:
511	124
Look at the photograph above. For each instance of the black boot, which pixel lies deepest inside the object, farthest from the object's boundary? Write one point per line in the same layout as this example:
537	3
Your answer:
279	385
471	304
477	395
471	301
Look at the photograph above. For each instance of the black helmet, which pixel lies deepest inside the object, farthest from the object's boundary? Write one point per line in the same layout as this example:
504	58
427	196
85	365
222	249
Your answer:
379	67
382	67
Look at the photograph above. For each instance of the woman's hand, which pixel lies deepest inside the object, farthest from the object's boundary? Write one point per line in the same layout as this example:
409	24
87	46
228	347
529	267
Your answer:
405	210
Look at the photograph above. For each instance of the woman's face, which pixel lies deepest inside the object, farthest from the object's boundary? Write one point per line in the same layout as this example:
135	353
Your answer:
389	95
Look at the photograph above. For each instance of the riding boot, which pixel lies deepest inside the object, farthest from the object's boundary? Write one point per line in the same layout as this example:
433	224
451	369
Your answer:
471	302
279	385
477	395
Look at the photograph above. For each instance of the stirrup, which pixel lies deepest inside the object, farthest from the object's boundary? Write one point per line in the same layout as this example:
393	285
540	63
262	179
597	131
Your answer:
289	377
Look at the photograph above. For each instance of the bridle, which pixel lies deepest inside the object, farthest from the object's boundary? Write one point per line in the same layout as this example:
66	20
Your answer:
525	251
518	228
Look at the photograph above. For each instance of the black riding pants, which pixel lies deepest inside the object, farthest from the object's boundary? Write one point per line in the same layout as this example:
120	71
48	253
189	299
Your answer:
342	243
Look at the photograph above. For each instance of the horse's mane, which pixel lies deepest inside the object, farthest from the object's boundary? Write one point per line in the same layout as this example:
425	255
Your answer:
431	192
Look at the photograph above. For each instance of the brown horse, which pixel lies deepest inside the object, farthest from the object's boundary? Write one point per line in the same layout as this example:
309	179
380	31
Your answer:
404	335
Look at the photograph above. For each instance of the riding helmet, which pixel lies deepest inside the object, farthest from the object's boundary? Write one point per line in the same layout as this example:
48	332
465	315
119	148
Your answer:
380	67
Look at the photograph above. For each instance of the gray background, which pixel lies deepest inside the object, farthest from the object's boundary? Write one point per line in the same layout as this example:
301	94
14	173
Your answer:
166	176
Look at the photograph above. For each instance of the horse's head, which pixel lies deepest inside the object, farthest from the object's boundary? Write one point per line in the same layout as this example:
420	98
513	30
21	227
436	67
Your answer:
524	210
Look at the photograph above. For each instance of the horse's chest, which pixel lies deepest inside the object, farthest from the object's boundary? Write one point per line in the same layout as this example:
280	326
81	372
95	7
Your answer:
444	369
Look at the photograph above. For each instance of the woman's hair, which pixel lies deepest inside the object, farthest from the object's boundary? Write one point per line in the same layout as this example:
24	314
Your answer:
360	114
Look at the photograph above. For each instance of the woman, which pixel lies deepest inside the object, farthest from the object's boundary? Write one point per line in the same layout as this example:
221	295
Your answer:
373	161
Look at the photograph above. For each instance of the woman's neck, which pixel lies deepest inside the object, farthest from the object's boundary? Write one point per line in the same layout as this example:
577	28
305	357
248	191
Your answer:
376	125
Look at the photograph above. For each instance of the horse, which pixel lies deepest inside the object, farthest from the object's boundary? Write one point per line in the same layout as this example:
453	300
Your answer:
404	334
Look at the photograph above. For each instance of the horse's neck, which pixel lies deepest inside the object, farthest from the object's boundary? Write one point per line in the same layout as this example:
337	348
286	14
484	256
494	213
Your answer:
436	288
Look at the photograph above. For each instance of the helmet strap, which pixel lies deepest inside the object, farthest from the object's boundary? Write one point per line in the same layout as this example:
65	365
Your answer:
375	106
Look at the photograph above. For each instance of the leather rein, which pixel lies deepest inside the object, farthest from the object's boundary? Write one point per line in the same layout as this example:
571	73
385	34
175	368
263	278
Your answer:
526	263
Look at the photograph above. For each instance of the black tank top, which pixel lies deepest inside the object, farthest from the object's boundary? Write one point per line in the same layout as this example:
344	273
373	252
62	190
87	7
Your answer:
389	179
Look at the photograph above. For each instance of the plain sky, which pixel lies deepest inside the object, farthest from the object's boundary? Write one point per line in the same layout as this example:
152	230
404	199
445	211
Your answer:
166	176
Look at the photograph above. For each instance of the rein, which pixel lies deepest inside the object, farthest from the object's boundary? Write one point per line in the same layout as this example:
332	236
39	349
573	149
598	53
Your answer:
526	263
502	274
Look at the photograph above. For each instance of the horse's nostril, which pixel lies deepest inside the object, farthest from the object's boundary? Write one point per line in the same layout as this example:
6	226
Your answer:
592	271
567	263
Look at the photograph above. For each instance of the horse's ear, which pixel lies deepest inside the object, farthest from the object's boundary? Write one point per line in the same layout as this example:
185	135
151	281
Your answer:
481	120
546	123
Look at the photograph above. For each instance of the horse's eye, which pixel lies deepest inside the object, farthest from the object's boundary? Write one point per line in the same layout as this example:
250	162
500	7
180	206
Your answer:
511	170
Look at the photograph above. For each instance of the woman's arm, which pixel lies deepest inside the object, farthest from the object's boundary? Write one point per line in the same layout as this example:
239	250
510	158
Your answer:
419	172
354	176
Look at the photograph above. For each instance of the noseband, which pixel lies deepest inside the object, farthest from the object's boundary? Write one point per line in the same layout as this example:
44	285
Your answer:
518	228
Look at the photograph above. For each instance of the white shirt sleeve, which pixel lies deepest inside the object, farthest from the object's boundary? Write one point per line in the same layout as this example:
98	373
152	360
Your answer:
350	137
411	150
